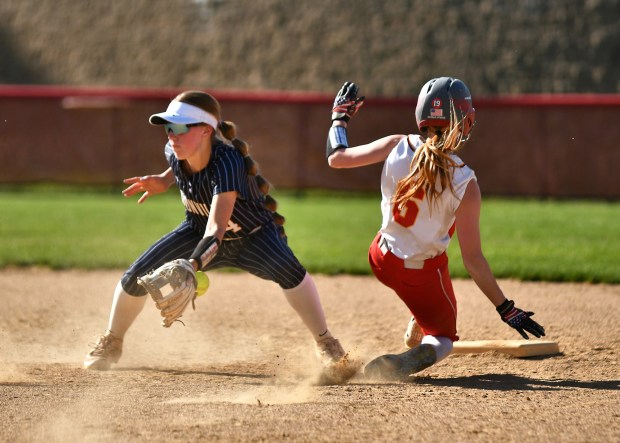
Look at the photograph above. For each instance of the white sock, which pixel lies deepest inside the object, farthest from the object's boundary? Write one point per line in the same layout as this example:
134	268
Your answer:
304	299
442	345
125	309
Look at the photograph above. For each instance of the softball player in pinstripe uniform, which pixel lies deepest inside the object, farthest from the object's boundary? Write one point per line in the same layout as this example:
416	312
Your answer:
427	192
226	225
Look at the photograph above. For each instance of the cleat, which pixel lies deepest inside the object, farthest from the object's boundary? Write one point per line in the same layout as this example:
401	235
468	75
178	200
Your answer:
329	350
385	367
413	334
106	351
391	367
337	366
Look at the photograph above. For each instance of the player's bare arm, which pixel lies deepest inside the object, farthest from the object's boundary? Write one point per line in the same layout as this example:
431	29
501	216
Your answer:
362	155
468	230
149	184
219	216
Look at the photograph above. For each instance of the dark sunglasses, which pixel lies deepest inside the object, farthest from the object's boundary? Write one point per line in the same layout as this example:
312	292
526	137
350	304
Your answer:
178	128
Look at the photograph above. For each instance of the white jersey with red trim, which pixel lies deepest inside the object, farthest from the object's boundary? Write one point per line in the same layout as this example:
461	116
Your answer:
416	232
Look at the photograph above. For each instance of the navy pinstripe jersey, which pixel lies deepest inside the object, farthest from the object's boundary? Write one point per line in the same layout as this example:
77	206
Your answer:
225	172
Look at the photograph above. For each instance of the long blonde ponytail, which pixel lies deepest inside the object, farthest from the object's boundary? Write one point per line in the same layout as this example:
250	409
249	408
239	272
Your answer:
431	168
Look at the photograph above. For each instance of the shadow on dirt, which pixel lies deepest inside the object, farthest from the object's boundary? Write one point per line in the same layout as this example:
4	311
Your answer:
509	382
195	372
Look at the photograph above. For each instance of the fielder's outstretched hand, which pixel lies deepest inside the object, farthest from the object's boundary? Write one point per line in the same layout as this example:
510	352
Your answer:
520	320
149	184
346	103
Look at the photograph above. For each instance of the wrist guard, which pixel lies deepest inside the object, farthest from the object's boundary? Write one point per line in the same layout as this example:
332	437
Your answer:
205	251
336	139
505	309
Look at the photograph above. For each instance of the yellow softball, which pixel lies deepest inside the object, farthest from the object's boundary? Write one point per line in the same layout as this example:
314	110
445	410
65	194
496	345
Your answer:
202	283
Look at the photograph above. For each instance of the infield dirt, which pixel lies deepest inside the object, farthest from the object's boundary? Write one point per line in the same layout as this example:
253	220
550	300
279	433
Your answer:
243	367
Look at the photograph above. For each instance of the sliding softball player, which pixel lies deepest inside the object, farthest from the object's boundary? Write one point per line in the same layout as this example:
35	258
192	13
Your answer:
427	193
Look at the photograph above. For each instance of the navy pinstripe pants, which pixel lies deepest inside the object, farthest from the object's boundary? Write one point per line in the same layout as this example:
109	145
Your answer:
263	253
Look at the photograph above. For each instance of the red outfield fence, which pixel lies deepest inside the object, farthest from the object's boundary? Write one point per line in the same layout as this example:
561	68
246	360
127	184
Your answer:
561	146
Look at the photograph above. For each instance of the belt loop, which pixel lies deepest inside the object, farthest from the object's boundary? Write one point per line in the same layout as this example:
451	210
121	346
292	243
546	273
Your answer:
383	246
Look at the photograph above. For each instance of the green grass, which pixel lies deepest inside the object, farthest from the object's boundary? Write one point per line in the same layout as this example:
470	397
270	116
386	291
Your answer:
68	228
550	240
330	232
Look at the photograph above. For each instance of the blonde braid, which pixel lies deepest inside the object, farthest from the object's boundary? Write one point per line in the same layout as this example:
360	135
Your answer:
229	131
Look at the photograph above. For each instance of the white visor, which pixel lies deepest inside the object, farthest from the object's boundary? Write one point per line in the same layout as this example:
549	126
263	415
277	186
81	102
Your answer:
183	113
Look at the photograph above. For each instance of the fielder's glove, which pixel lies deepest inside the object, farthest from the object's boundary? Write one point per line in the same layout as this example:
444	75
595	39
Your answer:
346	103
178	278
519	320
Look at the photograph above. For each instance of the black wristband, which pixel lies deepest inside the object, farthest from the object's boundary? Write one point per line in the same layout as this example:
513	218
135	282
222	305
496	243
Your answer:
336	139
505	307
205	251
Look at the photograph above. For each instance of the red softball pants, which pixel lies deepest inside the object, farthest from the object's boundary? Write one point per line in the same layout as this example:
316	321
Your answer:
427	292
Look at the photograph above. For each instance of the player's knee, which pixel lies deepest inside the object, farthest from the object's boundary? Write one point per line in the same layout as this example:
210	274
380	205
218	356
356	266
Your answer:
130	284
292	277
